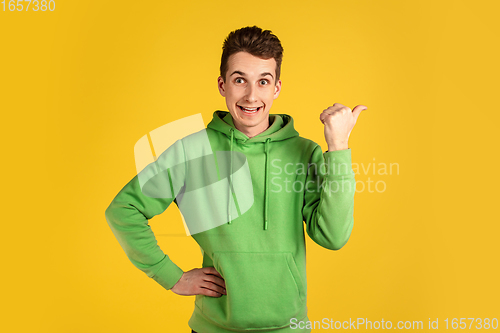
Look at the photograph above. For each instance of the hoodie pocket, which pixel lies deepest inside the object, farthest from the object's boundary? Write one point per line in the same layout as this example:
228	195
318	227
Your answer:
264	290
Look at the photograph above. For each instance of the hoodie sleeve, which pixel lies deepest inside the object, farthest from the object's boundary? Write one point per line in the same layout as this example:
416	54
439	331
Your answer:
329	203
134	205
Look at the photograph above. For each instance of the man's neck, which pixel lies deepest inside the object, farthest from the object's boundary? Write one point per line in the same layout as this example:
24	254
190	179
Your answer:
253	131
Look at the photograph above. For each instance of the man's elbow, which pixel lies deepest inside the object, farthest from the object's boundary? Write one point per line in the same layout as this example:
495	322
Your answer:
108	211
340	238
337	244
109	214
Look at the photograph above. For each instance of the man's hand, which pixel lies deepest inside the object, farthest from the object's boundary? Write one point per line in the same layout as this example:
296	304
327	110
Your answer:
339	121
200	281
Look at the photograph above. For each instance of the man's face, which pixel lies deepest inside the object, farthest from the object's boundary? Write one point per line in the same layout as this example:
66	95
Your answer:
250	90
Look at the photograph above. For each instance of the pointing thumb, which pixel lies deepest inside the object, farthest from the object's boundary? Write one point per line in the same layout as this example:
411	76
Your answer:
357	110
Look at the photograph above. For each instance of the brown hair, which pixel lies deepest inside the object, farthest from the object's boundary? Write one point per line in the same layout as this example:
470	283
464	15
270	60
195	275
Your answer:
254	40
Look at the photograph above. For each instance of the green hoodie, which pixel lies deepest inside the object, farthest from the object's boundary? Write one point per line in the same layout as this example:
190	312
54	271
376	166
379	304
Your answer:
257	243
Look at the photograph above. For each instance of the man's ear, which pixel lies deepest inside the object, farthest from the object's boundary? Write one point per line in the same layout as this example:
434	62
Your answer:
277	89
221	85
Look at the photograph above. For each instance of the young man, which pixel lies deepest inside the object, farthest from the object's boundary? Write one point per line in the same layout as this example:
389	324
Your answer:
253	276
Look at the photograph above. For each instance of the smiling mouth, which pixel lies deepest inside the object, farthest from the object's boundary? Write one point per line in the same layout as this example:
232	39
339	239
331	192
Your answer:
250	110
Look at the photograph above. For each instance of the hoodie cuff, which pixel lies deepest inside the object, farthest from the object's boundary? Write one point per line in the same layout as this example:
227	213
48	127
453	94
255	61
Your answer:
168	275
338	163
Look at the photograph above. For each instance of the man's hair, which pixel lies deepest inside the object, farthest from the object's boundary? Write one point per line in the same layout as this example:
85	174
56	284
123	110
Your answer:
254	40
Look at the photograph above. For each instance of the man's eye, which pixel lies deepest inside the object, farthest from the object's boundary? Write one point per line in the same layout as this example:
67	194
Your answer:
263	82
238	80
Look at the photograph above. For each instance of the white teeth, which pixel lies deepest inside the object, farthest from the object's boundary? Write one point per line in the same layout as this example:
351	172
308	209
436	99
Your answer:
249	110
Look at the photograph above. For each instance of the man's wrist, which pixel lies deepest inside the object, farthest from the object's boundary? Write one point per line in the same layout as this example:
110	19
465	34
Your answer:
338	147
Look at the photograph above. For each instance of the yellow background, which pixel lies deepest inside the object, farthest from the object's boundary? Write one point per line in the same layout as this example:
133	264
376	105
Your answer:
80	85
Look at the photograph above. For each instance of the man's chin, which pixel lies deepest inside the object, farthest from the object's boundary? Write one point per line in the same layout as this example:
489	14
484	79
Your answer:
247	123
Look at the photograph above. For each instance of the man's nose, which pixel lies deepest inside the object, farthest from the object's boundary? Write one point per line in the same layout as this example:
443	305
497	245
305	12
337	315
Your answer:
251	94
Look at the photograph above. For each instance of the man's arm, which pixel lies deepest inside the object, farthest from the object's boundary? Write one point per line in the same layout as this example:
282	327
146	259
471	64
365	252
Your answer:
148	194
329	203
128	216
328	210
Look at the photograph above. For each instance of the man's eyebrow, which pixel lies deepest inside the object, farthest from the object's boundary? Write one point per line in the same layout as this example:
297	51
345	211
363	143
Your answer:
267	73
243	74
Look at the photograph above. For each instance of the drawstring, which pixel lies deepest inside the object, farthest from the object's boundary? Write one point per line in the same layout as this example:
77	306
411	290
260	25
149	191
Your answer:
266	203
230	177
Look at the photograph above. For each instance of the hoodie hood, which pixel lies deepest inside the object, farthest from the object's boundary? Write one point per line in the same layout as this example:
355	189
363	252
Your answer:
281	128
